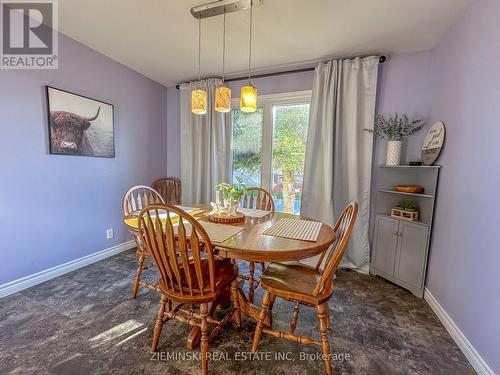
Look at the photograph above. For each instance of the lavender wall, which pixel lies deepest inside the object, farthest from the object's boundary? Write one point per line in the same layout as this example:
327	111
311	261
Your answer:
405	87
173	133
55	209
465	255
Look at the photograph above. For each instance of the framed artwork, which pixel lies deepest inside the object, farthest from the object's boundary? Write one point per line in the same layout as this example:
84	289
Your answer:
79	125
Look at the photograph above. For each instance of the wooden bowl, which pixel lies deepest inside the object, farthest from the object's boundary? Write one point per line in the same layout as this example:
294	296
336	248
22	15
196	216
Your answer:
223	219
414	189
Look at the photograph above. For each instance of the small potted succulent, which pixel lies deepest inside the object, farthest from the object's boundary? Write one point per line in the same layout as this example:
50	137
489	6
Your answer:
406	209
395	129
407	205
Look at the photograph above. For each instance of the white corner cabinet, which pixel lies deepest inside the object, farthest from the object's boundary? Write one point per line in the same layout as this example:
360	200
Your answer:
401	247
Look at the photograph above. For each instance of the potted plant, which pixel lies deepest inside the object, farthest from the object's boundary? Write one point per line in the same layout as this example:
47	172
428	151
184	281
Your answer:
395	129
406	209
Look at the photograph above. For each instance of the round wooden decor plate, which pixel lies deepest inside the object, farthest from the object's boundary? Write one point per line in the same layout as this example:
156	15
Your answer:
433	143
227	219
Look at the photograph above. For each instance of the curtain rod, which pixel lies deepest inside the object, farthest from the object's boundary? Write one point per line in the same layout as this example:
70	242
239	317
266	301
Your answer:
381	60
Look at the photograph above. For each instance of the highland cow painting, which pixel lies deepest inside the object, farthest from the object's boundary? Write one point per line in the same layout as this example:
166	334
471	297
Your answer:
79	125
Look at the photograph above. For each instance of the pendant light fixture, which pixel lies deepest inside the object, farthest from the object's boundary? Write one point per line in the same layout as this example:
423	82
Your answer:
248	97
223	93
199	95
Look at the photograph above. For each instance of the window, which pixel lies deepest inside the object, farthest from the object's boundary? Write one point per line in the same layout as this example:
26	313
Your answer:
269	146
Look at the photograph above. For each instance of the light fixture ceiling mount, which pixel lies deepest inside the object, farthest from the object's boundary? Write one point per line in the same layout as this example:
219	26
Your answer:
199	95
248	95
216	8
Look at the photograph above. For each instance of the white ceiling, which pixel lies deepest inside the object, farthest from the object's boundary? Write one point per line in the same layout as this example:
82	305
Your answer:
158	38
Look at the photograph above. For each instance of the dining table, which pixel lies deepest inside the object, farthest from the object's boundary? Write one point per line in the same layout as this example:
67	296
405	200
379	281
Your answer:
253	245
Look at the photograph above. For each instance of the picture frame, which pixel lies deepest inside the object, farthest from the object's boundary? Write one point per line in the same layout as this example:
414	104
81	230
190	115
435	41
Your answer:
79	125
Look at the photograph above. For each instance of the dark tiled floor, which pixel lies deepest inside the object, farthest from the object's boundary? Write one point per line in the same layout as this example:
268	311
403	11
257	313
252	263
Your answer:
85	323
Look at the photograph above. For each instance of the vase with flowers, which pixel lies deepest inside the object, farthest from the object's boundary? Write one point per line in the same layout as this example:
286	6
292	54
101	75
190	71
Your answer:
395	129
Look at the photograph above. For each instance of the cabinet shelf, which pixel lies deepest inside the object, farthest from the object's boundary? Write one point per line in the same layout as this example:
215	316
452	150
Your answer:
402	193
411	166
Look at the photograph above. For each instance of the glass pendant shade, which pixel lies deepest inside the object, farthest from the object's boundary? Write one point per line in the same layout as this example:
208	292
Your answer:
199	101
248	98
223	98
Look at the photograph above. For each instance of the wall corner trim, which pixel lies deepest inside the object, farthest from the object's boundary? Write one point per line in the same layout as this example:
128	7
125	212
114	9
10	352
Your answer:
472	355
51	273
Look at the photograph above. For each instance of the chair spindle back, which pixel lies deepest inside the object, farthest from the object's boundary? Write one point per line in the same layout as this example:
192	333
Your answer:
343	229
186	262
138	198
170	188
257	198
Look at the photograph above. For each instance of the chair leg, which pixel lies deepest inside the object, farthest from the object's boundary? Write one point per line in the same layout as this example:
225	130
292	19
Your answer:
159	323
236	302
295	316
260	321
325	345
263	266
204	338
140	263
251	281
327	311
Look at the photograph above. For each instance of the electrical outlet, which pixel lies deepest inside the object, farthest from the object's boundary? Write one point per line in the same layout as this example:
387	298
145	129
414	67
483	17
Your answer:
109	233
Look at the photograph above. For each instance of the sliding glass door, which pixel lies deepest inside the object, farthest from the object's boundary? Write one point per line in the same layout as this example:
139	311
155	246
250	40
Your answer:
289	147
269	146
247	146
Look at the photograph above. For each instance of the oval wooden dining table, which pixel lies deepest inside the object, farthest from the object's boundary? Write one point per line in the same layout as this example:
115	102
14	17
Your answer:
252	245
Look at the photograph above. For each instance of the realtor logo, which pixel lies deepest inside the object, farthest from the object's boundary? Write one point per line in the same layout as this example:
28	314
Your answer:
29	34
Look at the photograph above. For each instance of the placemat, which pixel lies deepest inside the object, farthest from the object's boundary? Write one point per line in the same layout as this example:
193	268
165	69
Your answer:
252	212
216	232
296	229
186	208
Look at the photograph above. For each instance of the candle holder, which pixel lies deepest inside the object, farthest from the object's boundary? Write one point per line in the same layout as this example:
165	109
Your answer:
231	195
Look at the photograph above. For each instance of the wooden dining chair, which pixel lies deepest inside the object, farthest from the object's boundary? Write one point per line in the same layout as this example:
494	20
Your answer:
134	200
260	199
170	188
306	285
190	273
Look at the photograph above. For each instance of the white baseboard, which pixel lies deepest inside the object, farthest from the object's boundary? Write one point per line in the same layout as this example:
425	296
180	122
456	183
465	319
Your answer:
40	277
475	359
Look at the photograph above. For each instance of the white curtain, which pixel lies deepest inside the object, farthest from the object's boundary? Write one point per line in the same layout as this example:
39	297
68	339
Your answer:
205	145
339	149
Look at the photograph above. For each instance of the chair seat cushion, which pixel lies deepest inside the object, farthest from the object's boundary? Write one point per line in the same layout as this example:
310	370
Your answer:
294	281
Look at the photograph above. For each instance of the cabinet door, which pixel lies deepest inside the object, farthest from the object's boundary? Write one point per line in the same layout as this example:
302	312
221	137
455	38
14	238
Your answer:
411	253
386	239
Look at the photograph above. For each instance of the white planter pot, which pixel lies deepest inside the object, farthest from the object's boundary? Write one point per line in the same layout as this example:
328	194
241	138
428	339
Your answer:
393	152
